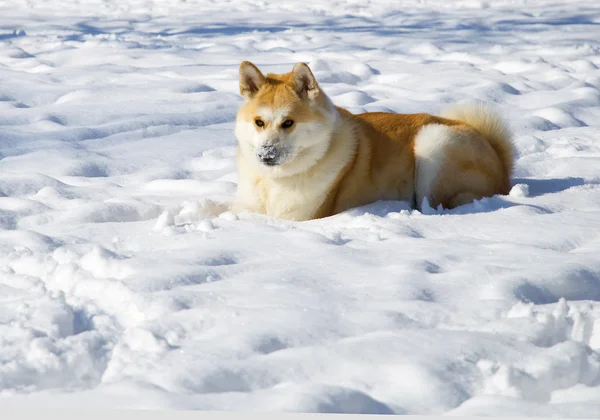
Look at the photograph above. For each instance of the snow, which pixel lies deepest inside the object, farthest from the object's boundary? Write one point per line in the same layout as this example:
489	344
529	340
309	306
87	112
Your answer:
125	282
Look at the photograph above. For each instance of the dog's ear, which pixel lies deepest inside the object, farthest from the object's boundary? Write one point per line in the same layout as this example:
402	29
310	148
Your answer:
251	79
305	83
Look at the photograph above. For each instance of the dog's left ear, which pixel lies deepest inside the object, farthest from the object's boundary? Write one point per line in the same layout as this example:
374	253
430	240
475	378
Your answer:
305	83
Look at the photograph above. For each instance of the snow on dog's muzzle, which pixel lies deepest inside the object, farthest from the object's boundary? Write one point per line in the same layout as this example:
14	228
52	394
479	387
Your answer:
269	155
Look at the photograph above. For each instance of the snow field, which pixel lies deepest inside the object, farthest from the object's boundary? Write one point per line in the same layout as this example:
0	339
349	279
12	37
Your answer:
125	282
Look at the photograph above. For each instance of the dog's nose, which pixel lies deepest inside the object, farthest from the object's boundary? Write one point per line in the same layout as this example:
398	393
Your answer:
269	155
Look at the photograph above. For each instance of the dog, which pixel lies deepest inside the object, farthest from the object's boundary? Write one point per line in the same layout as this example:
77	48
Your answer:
300	157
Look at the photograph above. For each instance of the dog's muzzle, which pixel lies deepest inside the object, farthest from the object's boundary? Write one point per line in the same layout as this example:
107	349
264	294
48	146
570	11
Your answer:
269	155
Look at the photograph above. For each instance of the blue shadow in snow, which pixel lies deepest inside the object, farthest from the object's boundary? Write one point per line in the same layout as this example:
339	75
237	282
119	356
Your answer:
539	187
579	284
11	35
436	25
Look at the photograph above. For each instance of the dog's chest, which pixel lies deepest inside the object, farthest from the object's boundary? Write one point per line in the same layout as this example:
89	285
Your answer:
294	200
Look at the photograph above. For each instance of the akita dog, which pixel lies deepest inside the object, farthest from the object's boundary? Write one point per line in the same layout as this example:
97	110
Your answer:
300	157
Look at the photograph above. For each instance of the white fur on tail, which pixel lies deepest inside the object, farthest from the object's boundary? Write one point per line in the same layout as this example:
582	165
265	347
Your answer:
431	143
488	122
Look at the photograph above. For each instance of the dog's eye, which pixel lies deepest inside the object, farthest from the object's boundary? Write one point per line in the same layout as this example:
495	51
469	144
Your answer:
287	123
259	123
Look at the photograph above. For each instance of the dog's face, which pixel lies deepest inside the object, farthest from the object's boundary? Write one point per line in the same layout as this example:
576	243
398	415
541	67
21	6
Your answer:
284	126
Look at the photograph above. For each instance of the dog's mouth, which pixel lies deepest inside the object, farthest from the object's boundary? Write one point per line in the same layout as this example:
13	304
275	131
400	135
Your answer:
269	160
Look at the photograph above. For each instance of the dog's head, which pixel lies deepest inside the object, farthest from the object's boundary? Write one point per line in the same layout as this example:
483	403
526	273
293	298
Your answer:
284	126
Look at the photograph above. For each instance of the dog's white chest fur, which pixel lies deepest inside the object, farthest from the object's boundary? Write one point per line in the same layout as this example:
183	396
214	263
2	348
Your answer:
292	198
293	201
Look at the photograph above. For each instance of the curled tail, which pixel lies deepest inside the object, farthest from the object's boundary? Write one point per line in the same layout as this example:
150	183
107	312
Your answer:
488	122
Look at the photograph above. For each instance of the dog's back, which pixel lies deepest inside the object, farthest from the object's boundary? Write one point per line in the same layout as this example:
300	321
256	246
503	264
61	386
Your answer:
449	161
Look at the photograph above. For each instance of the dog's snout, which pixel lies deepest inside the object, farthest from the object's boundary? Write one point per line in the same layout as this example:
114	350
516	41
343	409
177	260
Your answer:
269	155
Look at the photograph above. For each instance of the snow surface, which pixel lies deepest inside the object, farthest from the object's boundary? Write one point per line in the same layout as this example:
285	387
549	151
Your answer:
125	282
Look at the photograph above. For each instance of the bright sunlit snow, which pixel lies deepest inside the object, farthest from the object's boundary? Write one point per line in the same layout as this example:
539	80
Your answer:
121	287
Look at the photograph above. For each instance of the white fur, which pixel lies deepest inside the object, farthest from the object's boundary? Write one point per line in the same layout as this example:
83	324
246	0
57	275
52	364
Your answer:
483	117
431	143
490	124
297	197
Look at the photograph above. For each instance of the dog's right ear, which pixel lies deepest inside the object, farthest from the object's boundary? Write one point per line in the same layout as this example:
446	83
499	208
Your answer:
251	79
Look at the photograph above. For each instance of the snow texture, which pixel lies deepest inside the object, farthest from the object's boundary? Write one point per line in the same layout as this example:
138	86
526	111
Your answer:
125	282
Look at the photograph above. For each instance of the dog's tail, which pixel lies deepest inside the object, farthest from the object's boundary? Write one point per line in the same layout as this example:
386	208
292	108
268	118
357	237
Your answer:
489	123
